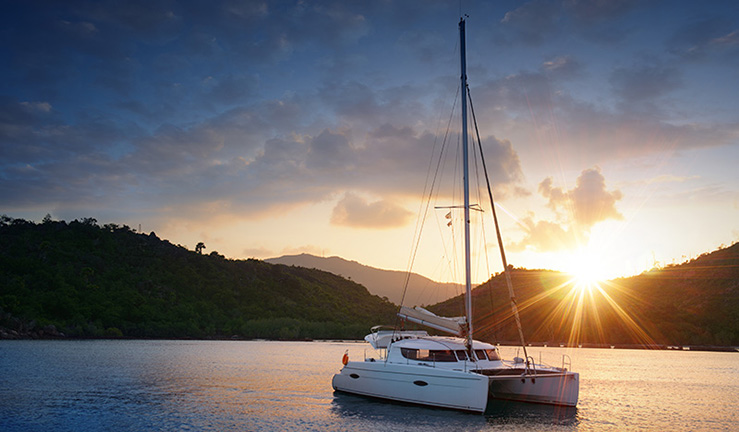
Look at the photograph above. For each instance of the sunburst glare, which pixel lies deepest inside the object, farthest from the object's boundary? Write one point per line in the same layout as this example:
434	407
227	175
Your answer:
587	269
582	308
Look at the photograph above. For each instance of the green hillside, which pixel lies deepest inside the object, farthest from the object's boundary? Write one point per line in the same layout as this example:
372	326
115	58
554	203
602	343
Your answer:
86	280
695	303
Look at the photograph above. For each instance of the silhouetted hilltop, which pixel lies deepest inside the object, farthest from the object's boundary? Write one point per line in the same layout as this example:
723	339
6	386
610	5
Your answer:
84	280
384	283
694	303
80	279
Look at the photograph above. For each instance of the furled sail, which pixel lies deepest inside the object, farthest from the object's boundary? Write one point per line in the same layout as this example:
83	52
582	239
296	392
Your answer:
419	315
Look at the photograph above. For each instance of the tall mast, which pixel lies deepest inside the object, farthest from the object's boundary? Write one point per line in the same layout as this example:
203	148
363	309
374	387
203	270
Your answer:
465	169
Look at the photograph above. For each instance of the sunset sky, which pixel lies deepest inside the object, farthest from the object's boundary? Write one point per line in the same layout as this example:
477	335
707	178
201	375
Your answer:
271	128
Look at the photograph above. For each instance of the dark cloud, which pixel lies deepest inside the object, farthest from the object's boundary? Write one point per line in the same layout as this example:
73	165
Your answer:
539	21
716	37
230	89
156	21
331	153
534	21
246	107
602	21
595	11
423	45
562	67
646	81
34	132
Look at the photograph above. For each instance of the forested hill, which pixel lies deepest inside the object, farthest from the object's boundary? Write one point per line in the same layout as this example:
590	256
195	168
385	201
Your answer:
695	303
86	280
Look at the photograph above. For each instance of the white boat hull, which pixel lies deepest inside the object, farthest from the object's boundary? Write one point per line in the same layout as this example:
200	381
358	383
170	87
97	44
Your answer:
415	384
552	389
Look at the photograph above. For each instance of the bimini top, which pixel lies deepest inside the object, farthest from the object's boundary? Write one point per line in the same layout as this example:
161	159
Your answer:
380	339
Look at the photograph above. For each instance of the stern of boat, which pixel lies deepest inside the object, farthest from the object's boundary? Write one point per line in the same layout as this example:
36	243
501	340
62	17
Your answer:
557	388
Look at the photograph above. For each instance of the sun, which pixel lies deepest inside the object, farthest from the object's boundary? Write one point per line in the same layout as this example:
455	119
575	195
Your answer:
587	270
587	276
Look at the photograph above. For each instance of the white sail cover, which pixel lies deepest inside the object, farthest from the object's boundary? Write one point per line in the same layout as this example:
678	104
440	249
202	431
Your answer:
421	316
381	339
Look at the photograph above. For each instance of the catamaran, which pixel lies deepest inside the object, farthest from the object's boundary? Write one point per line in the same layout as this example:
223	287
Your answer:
455	371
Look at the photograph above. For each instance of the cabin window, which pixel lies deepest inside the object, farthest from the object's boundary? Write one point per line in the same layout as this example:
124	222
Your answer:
480	354
461	355
493	354
428	355
409	353
442	356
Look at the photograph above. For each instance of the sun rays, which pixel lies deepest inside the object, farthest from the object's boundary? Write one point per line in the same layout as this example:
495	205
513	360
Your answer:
587	308
576	310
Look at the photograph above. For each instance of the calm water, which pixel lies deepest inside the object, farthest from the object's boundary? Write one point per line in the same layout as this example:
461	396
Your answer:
286	386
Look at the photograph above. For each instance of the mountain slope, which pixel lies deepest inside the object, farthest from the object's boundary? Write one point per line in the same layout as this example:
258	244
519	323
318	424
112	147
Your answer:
695	303
87	280
384	283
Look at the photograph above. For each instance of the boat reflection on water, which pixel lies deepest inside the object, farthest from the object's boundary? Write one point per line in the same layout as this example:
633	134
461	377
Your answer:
531	415
405	416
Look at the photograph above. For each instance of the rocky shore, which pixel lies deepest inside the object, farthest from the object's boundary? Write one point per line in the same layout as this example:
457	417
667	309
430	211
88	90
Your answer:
15	328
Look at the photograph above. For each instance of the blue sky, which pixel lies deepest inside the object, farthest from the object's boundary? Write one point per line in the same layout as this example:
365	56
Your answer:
268	128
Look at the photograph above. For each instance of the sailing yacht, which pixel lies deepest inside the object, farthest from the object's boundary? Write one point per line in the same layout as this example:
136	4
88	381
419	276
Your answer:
455	371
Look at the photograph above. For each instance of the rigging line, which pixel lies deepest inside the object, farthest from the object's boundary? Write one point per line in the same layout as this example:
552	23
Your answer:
423	215
482	225
514	306
420	222
479	200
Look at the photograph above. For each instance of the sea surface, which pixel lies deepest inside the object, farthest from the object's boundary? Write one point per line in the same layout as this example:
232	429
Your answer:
286	386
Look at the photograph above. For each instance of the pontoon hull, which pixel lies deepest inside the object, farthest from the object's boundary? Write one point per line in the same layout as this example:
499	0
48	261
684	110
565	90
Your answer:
552	389
415	384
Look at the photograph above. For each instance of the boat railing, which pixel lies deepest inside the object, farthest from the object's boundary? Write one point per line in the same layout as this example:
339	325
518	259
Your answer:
381	355
530	366
566	362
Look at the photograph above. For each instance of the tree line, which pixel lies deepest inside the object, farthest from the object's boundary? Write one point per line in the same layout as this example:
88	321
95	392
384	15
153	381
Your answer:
81	279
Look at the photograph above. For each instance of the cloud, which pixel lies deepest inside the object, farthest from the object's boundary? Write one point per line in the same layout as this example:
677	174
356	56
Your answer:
577	211
186	108
539	21
646	81
701	40
231	88
587	203
544	236
331	152
590	11
354	211
534	21
641	117
37	106
304	249
562	67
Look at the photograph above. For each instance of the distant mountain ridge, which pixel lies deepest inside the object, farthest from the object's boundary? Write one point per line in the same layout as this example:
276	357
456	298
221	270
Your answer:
384	283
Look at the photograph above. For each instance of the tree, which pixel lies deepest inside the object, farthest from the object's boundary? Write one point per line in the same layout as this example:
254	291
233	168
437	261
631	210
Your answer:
199	247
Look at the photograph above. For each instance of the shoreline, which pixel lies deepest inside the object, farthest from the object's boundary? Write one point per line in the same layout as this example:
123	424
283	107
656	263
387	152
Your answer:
47	334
